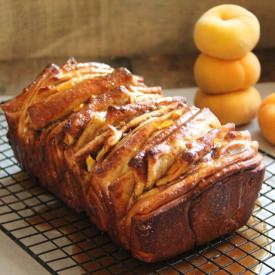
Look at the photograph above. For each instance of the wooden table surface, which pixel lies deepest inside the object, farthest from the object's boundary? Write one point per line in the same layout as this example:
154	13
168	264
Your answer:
168	71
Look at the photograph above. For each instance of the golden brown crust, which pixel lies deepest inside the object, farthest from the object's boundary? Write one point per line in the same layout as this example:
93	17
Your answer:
131	158
196	218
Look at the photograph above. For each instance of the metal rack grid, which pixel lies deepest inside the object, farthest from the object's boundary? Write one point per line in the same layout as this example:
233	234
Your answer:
65	242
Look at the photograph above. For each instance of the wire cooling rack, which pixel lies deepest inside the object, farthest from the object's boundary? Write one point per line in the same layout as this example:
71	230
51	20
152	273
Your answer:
67	243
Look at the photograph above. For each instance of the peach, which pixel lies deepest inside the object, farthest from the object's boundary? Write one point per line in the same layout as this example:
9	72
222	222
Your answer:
268	100
266	118
239	107
215	75
227	32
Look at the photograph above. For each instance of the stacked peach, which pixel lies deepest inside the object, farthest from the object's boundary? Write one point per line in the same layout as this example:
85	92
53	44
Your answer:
226	69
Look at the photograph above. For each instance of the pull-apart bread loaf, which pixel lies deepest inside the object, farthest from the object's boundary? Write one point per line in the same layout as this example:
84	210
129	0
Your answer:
160	176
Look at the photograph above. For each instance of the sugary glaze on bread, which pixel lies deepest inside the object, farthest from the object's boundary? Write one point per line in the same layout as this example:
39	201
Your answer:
106	143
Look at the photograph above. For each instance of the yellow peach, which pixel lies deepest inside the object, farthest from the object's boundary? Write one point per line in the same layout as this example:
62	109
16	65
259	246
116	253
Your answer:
227	32
266	118
214	75
268	100
239	107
